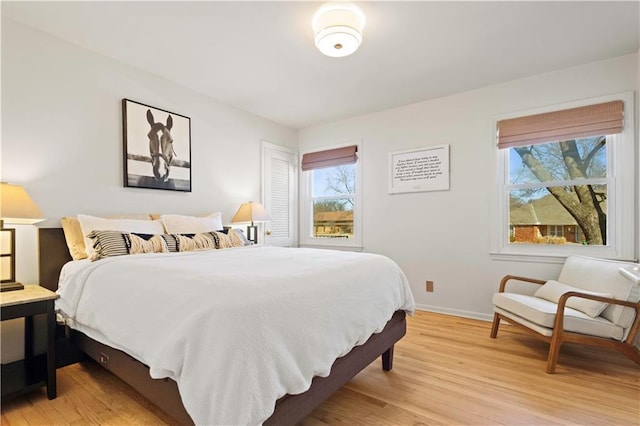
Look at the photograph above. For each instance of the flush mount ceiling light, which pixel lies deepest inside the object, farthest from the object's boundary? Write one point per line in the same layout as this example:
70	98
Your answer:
338	29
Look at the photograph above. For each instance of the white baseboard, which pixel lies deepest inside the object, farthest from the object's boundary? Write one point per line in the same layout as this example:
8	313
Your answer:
456	312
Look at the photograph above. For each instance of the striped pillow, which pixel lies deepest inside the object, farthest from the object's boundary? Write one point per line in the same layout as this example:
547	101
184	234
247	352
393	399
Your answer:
191	242
116	243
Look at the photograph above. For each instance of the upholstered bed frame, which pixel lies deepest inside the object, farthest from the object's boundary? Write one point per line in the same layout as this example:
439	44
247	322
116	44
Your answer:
290	409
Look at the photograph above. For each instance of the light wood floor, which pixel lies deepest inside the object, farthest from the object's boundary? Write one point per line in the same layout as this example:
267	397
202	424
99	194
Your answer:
446	371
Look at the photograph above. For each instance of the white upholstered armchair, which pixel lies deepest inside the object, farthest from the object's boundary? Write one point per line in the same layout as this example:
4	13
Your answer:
590	303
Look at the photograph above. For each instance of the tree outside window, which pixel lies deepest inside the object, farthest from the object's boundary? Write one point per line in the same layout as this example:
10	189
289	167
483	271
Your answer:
558	192
333	198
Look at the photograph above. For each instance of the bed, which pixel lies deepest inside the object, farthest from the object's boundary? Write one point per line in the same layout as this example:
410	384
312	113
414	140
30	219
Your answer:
290	400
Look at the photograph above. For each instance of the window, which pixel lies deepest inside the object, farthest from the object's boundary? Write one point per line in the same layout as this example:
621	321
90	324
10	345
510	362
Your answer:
565	181
330	197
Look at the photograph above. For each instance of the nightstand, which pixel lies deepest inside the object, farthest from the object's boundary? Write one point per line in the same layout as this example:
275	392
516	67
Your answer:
33	371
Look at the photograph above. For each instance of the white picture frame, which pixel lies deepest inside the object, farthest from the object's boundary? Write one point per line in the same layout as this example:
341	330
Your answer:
419	170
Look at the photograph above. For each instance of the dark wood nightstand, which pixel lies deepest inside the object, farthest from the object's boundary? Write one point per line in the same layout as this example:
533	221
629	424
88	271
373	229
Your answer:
32	372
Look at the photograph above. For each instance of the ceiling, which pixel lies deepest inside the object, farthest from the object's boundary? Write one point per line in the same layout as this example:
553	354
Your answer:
260	56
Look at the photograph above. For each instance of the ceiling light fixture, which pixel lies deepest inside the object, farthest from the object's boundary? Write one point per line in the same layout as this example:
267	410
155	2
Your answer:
338	29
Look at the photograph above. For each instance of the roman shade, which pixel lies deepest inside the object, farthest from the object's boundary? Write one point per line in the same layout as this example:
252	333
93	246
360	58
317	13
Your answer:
591	120
330	158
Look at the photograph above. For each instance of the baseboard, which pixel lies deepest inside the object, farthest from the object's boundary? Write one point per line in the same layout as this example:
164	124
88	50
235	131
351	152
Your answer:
455	312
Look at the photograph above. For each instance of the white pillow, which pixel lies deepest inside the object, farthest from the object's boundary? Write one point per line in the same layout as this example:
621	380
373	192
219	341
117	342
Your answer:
552	290
92	223
180	224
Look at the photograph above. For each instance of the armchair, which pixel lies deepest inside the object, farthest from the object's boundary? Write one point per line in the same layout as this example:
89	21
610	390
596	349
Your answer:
591	303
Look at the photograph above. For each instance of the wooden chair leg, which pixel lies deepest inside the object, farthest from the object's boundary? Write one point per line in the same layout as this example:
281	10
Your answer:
631	352
494	326
554	351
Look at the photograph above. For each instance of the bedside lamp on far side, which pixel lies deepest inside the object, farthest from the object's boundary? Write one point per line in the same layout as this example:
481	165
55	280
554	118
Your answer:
15	207
251	212
632	273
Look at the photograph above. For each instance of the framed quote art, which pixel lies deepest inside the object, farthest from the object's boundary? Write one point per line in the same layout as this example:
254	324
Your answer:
157	148
417	170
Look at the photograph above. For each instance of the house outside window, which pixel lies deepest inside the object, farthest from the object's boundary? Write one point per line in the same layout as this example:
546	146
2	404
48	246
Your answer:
330	198
566	192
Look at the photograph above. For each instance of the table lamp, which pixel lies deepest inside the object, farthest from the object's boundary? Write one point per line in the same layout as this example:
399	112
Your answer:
251	212
631	273
15	207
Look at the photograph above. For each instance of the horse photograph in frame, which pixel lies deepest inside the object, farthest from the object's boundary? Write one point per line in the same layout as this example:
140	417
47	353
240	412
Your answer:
157	148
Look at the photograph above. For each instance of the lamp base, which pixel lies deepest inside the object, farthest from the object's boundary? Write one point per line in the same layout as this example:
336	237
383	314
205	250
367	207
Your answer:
252	234
10	286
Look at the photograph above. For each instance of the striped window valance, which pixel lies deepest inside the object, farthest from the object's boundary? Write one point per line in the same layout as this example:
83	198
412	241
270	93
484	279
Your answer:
581	122
330	158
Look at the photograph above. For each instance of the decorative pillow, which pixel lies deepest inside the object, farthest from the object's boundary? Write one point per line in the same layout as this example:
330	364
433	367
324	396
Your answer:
221	240
238	239
74	237
92	223
180	224
146	243
116	243
552	290
192	242
172	242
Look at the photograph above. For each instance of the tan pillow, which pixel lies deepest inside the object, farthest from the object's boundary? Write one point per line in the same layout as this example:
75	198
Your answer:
73	236
552	290
75	239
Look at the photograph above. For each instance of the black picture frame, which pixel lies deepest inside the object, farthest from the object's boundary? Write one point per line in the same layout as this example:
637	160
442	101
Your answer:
157	147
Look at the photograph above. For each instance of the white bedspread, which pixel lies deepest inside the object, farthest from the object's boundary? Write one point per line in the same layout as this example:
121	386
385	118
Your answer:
236	328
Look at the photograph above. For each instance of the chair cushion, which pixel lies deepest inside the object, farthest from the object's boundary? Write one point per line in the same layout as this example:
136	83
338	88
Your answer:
553	290
543	313
601	275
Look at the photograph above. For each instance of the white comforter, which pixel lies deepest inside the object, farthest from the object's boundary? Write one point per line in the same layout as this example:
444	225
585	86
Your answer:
235	328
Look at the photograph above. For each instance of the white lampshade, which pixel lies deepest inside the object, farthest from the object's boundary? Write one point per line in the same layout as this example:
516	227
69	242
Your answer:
631	273
251	212
17	207
338	29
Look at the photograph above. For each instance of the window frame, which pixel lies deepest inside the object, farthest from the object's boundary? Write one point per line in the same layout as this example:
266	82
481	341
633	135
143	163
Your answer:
306	205
621	187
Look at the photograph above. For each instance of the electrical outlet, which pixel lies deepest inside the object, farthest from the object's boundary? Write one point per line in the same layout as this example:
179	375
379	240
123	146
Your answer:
429	286
104	360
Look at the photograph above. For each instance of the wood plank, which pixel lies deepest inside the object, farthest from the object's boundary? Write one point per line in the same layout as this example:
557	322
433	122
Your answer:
446	371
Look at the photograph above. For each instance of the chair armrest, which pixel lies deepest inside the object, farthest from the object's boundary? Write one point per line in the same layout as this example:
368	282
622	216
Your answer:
506	278
559	322
563	300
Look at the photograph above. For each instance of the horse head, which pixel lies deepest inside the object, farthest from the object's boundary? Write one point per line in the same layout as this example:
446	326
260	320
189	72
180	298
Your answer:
160	147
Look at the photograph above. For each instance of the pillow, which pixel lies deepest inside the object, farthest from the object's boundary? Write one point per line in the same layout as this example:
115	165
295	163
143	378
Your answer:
180	224
92	223
238	239
75	238
116	243
552	290
192	242
222	240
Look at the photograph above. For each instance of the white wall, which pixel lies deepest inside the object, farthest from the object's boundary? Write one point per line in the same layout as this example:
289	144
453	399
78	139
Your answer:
444	236
62	138
62	134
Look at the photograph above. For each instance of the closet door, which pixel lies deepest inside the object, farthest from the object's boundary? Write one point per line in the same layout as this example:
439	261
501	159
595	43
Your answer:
280	189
